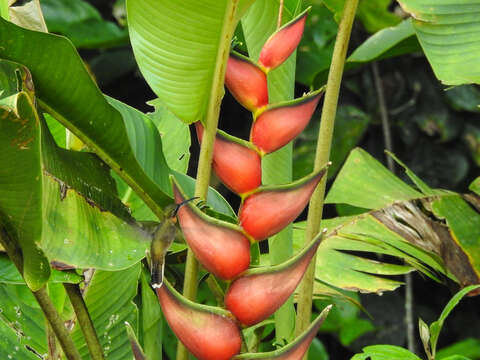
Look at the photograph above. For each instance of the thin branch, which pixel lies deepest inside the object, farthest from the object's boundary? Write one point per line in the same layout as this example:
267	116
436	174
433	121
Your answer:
84	320
387	136
322	156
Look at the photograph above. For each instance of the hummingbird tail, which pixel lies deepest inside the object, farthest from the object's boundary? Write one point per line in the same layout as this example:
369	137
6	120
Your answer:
157	274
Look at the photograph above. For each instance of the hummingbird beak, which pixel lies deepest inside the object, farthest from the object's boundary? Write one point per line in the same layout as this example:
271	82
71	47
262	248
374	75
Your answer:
181	204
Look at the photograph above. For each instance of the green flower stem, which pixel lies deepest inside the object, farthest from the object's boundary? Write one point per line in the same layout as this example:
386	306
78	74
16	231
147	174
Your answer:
206	149
84	320
322	156
15	254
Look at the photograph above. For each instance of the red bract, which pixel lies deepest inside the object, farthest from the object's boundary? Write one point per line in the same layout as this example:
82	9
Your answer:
271	208
235	162
207	332
246	81
219	246
296	349
260	292
283	42
281	123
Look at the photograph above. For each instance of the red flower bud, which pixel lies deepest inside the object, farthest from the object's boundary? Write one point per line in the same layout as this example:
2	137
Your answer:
281	44
271	208
281	123
246	81
235	162
297	348
207	332
258	293
219	246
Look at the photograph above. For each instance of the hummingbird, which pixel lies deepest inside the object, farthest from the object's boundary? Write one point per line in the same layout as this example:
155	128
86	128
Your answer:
163	236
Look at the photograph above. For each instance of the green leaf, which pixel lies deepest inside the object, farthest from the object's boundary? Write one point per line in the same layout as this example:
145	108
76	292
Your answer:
317	351
389	42
373	13
84	223
469	347
464	98
385	352
65	90
364	182
109	301
10	275
375	16
436	326
447	32
177	52
475	186
22	317
175	137
82	24
10	348
21	171
316	47
152	320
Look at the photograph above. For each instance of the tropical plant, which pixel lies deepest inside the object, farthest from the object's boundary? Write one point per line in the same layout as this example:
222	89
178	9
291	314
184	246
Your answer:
91	188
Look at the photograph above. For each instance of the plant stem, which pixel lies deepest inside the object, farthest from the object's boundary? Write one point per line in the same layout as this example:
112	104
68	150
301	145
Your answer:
206	149
15	254
53	352
84	320
56	323
322	156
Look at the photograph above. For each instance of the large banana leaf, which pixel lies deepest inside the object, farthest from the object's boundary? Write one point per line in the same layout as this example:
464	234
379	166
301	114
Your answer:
176	44
404	222
21	323
80	220
109	301
65	89
448	32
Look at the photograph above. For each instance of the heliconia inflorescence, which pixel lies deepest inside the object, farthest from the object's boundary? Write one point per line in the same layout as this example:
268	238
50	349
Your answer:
281	44
258	293
223	248
279	124
220	247
297	348
268	210
207	332
235	161
246	81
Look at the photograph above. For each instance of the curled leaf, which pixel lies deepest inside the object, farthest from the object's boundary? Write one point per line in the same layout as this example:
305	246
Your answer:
297	348
269	209
281	123
235	162
219	246
246	81
207	332
283	42
258	293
